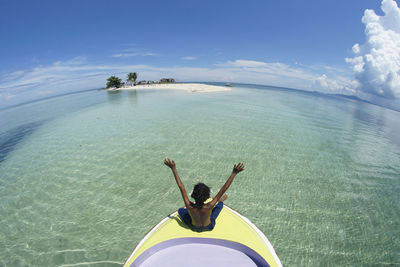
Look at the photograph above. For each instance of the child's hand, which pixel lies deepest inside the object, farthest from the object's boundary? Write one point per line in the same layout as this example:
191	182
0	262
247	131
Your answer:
170	163
238	168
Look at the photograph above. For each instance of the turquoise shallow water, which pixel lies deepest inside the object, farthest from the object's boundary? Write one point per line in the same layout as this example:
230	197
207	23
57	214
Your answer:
82	179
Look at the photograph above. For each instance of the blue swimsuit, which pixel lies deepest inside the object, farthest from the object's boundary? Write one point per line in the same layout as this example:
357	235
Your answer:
185	216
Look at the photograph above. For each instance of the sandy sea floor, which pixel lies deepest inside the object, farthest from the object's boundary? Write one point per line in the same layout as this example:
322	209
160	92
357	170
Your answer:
82	176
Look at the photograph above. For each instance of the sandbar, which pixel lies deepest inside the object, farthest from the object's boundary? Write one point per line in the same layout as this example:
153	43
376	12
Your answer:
189	87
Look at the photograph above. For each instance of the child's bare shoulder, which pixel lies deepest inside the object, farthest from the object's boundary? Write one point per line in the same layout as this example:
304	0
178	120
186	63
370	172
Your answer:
207	206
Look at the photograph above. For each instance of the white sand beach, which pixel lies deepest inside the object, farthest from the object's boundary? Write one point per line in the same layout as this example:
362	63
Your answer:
189	87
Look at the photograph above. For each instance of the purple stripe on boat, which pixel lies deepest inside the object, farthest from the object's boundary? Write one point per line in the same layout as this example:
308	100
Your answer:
196	251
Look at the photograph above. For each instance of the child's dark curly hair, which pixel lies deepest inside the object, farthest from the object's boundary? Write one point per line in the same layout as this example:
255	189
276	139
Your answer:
201	193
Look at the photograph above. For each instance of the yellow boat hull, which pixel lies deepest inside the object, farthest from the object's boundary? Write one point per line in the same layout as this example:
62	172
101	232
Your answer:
232	240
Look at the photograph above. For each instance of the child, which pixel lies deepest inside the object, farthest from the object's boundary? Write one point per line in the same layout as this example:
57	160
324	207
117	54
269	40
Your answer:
201	216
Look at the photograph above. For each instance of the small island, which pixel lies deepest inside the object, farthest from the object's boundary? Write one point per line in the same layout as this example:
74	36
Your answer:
114	84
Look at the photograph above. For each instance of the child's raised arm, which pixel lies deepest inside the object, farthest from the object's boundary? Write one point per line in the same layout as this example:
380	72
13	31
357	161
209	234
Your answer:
170	163
236	169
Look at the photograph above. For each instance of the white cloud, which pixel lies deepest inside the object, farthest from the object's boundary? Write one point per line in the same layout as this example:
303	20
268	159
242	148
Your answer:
11	76
133	51
49	92
78	74
75	61
142	54
242	63
356	49
189	58
376	64
300	77
275	69
340	85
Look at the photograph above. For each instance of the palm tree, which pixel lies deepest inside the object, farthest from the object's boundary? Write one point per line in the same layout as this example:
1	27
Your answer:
114	81
132	76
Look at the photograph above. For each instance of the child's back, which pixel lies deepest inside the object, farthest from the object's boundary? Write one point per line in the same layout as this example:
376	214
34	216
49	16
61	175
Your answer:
200	216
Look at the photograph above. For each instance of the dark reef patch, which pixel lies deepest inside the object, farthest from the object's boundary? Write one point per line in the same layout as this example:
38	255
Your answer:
11	138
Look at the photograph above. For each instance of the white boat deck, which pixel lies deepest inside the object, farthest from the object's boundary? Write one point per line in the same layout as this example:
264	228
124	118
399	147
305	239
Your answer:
198	255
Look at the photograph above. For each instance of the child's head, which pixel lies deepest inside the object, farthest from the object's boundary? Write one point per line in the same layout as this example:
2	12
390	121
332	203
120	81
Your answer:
201	193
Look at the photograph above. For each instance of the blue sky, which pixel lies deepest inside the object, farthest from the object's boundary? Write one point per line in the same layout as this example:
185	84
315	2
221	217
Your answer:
53	47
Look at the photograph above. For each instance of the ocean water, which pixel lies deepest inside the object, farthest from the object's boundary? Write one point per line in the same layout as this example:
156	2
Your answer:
82	178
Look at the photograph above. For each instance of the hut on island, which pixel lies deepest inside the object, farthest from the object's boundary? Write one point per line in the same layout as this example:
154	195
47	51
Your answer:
167	80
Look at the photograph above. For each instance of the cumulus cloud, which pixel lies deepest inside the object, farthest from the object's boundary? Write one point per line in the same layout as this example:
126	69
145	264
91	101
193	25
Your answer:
340	85
299	76
376	63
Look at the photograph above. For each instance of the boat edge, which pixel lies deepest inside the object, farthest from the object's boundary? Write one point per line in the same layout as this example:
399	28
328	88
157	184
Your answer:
255	228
